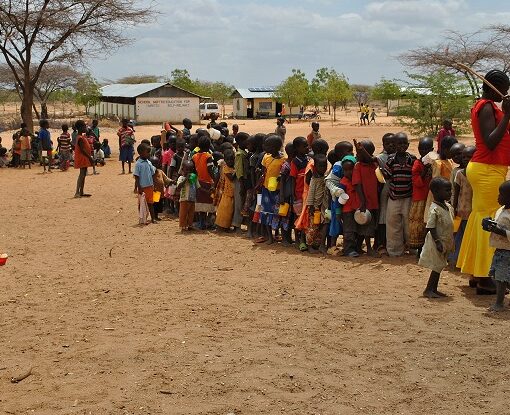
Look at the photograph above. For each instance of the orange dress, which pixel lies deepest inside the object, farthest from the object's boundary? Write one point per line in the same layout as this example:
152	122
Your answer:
303	221
82	160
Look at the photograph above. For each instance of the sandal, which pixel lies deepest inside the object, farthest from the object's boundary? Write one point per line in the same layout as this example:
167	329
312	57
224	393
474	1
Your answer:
303	247
278	238
260	240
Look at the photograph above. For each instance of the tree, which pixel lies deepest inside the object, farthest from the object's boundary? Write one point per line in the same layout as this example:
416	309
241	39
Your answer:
293	91
87	91
480	50
337	90
140	79
385	90
361	93
35	33
318	86
182	79
218	91
432	98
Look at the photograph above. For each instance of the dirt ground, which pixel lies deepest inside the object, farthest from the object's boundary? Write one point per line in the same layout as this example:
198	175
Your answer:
118	319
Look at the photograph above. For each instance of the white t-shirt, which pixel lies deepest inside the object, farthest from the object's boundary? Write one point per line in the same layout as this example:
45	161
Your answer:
98	154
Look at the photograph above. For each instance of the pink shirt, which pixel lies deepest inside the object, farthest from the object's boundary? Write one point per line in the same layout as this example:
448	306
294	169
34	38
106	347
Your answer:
166	157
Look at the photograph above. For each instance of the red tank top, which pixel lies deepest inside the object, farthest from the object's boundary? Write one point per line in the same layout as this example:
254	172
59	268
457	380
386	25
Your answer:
501	154
80	159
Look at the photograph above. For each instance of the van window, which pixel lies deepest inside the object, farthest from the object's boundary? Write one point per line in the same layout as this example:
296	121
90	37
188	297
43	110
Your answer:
202	106
212	106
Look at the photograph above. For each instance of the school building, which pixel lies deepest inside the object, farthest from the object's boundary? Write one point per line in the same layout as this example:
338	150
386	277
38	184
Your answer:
257	103
148	103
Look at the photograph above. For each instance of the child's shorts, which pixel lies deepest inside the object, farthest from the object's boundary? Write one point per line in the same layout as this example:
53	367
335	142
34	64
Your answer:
149	194
501	265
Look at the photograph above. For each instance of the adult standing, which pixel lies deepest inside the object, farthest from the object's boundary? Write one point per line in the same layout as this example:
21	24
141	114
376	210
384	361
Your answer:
126	141
82	157
486	172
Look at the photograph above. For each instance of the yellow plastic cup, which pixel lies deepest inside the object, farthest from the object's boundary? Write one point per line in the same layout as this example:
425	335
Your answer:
272	184
317	217
284	209
156	196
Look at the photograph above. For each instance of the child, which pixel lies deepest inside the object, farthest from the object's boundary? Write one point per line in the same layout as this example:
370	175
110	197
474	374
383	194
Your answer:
280	128
350	227
447	130
82	157
225	209
188	125
388	148
204	166
187	185
456	151
462	197
314	134
64	148
144	172
45	145
126	141
422	175
166	156
3	157
398	173
271	163
95	130
297	177
365	182
373	115
98	154
439	240
160	182
317	203
16	151
106	149
500	239
286	196
257	145
26	148
242	168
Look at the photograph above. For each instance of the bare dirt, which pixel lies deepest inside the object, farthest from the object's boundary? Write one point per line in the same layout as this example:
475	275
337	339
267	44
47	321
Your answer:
118	319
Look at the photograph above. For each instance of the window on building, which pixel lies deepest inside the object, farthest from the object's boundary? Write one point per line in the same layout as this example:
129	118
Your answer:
266	105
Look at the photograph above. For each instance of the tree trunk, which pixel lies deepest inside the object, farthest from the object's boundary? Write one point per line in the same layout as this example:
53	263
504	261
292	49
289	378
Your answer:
36	112
26	107
44	110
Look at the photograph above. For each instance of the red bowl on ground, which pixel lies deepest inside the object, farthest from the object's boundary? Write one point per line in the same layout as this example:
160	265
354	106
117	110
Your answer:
3	261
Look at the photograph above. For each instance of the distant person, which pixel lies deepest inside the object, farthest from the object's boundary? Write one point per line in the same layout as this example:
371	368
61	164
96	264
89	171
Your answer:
64	146
98	154
16	151
144	182
95	129
45	145
106	149
373	115
82	157
280	128
447	130
362	114
26	148
186	131
235	130
314	134
126	142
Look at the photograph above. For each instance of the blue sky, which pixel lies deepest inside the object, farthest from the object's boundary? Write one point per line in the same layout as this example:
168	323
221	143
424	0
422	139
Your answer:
256	43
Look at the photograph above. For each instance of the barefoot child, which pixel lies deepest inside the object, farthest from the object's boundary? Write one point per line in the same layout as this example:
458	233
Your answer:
64	148
500	239
82	157
144	181
350	227
297	177
160	182
26	148
422	175
286	196
439	240
126	141
314	134
365	182
317	203
187	185
225	209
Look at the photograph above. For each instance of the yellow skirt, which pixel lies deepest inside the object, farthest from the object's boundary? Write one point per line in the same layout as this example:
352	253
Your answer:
475	254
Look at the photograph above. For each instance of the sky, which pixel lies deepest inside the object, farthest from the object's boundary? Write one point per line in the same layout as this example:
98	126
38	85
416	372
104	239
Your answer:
257	43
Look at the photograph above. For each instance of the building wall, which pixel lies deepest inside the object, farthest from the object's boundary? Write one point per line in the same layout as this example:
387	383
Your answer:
239	107
113	109
172	109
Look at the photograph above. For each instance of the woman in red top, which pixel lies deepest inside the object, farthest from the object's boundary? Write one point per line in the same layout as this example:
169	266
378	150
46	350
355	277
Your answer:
82	157
422	175
486	172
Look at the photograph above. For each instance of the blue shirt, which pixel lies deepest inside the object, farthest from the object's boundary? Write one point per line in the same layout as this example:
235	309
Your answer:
144	170
45	139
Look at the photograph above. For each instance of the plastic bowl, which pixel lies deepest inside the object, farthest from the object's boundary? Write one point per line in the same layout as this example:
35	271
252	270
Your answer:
343	198
430	157
362	218
3	259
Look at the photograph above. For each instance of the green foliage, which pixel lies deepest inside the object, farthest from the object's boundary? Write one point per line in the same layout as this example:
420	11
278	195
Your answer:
87	91
182	79
385	90
337	90
140	79
294	91
433	98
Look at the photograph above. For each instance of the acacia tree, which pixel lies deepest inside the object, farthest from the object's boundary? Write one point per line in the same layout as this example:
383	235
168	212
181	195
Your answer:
480	50
293	91
140	79
386	90
35	33
337	90
87	91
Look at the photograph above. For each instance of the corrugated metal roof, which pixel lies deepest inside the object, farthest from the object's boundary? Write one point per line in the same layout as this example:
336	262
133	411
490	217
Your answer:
256	93
129	90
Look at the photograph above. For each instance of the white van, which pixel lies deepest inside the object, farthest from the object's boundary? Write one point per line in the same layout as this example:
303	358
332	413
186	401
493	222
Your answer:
207	108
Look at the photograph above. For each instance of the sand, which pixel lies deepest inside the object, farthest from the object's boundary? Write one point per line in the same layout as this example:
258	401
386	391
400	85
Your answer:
110	315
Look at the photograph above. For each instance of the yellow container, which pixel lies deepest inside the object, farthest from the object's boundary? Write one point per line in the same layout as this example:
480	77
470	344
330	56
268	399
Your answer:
456	224
156	197
272	184
284	209
317	217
